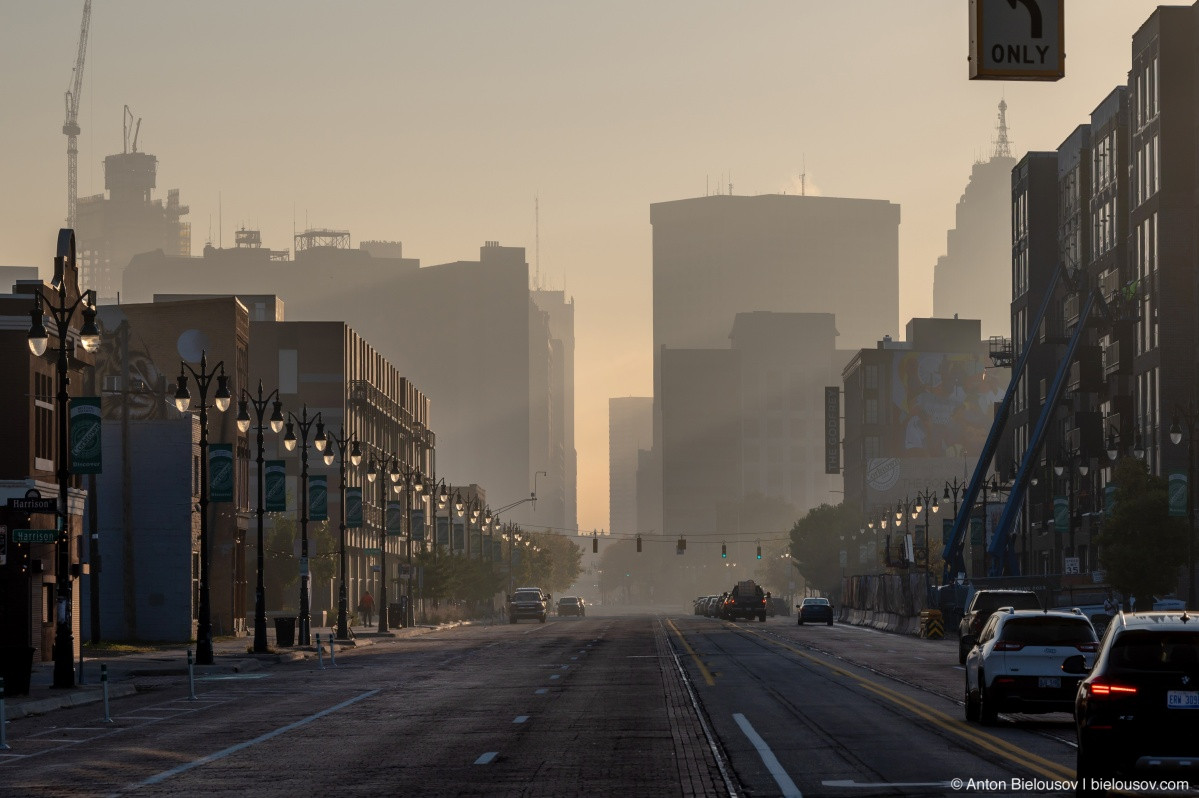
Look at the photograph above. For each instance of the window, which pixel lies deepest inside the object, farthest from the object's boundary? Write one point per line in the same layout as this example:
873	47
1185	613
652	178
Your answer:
871	415
871	373
43	409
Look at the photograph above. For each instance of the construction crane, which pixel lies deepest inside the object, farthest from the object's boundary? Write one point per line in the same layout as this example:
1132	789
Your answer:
70	127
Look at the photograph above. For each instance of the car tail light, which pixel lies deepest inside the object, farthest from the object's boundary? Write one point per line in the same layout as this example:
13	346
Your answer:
1088	647
1008	645
1110	690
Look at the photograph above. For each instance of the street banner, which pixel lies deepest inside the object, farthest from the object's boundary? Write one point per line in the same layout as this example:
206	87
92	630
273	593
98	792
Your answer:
1109	499
946	531
832	430
476	544
395	518
220	472
318	498
1061	514
976	531
1177	493
443	530
418	526
497	550
460	537
353	508
85	435
275	485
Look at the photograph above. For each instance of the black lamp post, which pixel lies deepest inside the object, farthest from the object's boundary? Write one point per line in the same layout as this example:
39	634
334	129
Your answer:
926	501
319	442
340	442
221	400
412	484
62	311
1189	415
243	424
376	470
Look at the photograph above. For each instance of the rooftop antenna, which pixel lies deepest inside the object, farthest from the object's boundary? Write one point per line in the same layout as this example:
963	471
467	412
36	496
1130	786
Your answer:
803	177
537	242
220	222
1002	145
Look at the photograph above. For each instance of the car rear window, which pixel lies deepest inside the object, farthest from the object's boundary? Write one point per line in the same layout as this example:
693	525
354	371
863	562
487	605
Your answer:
1155	651
1048	631
568	600
989	602
527	595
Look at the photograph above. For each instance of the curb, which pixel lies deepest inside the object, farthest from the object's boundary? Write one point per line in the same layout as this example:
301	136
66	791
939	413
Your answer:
66	701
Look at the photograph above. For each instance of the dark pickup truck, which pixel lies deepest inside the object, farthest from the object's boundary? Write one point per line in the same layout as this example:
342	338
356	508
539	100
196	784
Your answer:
982	605
528	602
745	601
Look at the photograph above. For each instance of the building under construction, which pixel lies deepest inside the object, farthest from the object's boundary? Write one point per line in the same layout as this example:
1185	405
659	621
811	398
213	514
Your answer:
112	229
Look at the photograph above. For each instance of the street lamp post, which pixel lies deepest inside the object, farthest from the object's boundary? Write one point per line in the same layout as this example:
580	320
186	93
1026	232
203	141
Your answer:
243	424
413	483
61	309
340	443
376	470
1189	414
926	501
221	400
319	442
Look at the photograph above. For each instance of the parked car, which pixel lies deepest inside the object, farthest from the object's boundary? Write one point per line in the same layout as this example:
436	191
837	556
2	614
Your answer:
815	610
571	605
1137	707
982	604
1016	666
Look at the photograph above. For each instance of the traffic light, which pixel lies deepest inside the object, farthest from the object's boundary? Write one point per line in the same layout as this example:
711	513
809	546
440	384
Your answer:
639	543
724	551
594	545
759	552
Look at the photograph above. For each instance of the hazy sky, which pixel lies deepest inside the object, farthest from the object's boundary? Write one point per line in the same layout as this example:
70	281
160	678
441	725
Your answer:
436	124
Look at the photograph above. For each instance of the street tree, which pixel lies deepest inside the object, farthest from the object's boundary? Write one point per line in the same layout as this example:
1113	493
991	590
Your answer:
816	544
1141	546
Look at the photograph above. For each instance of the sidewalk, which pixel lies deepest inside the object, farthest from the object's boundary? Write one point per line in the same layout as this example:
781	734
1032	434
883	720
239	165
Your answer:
230	655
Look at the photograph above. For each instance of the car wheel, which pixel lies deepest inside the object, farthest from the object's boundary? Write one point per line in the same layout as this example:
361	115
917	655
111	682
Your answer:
988	710
962	651
971	702
830	621
762	618
1087	769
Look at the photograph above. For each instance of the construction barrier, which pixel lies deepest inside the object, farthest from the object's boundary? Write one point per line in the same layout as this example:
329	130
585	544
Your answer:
932	625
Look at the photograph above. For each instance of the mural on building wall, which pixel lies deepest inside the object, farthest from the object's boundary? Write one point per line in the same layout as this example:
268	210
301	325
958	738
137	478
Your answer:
943	403
144	392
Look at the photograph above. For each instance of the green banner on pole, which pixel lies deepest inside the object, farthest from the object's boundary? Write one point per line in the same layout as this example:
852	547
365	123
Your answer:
354	508
1061	514
946	531
1177	492
443	530
220	472
318	498
1109	499
497	550
418	526
275	485
85	435
976	531
395	518
459	537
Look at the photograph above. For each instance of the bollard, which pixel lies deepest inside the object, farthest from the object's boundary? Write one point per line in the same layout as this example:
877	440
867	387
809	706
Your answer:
191	677
104	684
320	652
332	656
3	744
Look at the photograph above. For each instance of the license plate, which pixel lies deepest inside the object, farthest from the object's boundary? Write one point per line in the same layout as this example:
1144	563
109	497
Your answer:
1053	682
1182	699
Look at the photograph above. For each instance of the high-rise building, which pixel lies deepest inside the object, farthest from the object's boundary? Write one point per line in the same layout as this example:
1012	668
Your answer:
630	430
972	279
562	487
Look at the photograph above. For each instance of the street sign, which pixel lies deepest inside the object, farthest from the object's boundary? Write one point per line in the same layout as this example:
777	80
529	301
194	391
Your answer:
34	535
405	570
371	552
1017	40
1071	565
36	505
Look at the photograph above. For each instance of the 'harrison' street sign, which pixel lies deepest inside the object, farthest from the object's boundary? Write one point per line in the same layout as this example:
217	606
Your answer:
37	505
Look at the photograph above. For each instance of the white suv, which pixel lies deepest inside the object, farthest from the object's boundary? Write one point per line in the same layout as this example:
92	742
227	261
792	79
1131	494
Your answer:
1016	665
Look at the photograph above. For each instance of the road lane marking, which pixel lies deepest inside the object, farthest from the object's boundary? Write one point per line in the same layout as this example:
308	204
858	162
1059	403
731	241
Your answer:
486	758
554	676
542	691
768	759
995	745
703	669
233	749
520	718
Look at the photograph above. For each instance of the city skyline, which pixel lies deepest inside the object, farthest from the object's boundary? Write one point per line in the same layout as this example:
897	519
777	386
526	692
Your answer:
438	129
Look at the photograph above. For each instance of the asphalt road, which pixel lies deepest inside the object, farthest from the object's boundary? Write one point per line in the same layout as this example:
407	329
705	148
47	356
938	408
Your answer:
628	705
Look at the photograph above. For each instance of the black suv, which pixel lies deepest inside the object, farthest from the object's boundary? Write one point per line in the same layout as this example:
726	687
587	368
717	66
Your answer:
982	604
1136	711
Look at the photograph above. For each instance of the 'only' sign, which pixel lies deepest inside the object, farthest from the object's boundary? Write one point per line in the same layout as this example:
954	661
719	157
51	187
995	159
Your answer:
1017	40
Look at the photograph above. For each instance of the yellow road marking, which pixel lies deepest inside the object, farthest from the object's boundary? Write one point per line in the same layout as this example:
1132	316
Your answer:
703	669
994	744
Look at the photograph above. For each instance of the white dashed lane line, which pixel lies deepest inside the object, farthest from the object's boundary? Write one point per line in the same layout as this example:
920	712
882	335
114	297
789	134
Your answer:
520	718
486	758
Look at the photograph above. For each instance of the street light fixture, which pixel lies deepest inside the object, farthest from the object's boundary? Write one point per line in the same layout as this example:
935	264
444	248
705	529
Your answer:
319	442
61	309
220	401
276	424
340	443
374	470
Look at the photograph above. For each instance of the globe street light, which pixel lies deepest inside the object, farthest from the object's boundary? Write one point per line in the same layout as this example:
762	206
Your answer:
376	469
61	309
221	400
319	442
341	441
243	424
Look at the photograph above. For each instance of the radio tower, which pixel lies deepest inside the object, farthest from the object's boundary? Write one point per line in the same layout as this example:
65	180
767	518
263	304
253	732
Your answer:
71	126
1003	147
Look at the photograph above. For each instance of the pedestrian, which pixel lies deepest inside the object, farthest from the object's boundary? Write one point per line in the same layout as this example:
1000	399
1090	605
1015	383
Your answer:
1132	604
366	606
1109	604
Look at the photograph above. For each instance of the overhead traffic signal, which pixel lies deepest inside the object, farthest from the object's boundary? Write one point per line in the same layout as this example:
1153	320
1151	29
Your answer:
759	552
724	551
594	545
638	543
